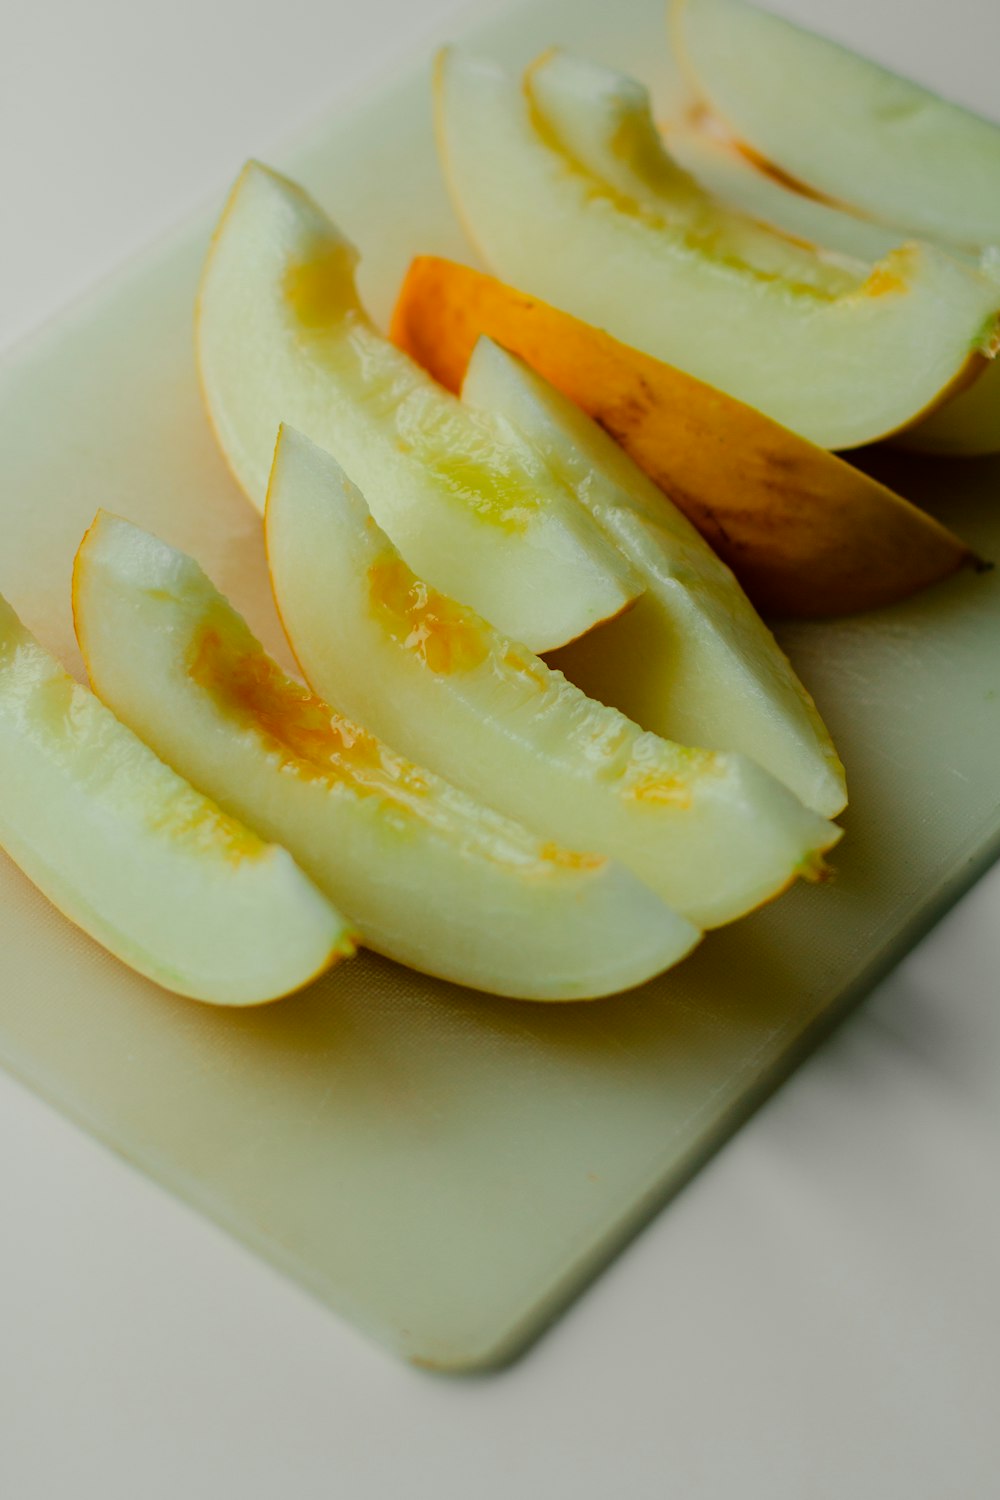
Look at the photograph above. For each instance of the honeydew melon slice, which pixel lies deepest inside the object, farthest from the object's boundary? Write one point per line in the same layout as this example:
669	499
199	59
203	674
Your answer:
431	877
693	660
839	367
713	835
161	876
282	337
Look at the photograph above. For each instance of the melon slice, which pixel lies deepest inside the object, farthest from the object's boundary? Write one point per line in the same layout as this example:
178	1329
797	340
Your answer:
842	363
804	532
713	835
282	337
431	877
161	876
693	660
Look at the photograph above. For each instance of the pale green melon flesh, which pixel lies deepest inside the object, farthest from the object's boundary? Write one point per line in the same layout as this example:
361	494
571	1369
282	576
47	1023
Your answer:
692	660
721	169
282	337
967	424
131	853
845	127
713	835
841	368
431	877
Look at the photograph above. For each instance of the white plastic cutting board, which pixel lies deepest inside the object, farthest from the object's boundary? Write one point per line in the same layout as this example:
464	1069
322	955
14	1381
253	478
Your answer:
445	1169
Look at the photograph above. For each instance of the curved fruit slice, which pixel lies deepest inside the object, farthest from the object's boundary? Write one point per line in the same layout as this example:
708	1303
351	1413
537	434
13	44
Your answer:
136	857
850	130
967	424
699	666
842	368
712	834
602	122
431	877
804	532
725	171
282	337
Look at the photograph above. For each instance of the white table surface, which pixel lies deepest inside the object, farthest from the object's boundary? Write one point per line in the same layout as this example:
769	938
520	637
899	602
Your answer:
816	1317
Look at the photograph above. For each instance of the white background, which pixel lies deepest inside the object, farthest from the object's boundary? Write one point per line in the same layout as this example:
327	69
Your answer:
816	1316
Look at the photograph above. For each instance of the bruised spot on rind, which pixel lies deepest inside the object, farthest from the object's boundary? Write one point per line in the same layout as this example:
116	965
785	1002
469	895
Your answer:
767	168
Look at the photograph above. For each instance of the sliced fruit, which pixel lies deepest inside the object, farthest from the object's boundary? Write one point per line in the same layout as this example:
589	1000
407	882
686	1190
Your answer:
130	852
692	661
804	532
849	130
431	877
282	337
841	367
602	122
713	835
968	423
726	172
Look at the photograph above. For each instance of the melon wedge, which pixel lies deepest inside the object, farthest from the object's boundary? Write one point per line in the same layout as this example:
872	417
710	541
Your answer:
170	884
431	877
805	533
281	336
850	131
968	423
841	367
713	835
693	661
